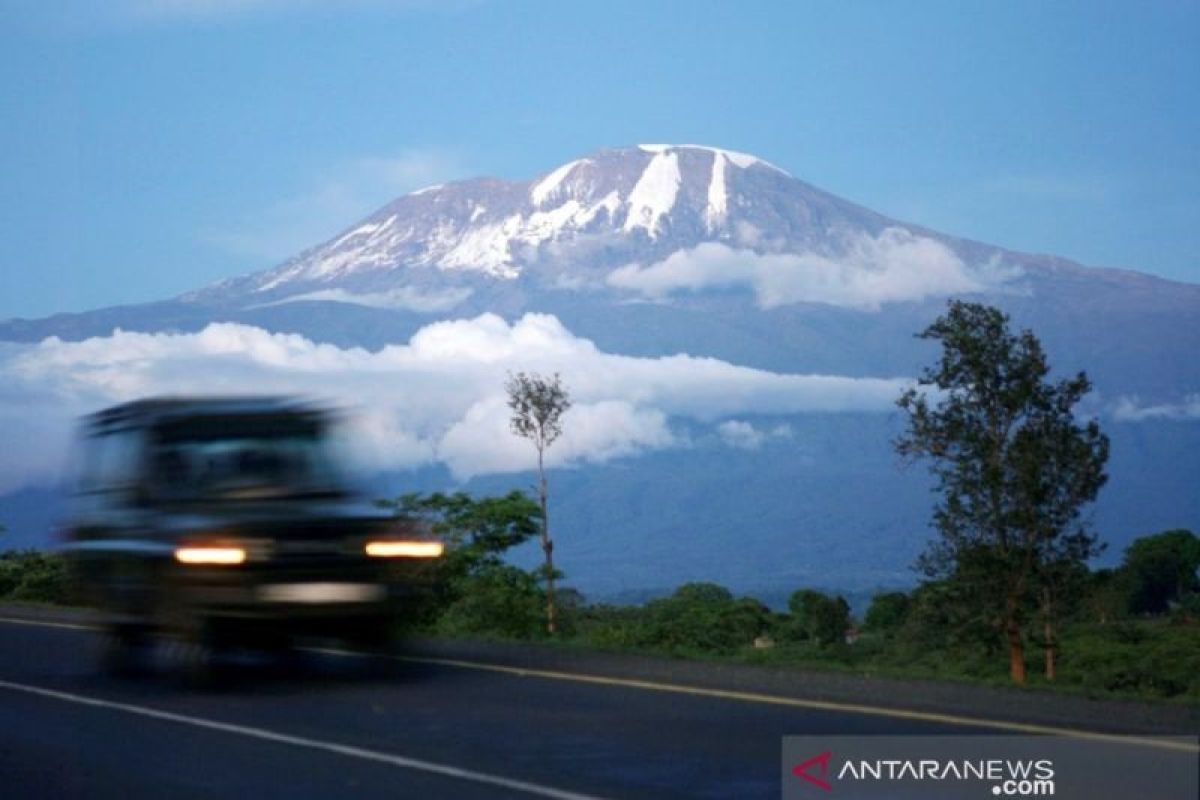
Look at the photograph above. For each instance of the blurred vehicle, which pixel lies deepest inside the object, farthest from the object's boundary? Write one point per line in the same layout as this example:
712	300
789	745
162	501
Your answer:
226	523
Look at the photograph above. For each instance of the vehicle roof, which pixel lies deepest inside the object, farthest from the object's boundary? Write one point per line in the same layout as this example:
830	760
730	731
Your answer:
155	410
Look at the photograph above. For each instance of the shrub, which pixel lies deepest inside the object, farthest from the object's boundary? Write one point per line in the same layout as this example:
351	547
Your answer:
701	617
819	617
500	600
887	612
1157	660
33	576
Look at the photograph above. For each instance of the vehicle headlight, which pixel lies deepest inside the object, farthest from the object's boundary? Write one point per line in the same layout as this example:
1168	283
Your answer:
226	555
394	548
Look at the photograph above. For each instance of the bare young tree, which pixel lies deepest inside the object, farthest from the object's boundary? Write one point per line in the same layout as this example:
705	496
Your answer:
538	404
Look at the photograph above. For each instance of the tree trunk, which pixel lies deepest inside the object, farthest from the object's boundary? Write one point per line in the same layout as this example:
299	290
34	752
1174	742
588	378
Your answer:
1050	645
1016	648
1016	654
547	547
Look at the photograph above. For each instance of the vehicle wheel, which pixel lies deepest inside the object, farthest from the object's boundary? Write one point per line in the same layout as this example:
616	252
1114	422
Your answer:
374	637
282	651
122	650
196	660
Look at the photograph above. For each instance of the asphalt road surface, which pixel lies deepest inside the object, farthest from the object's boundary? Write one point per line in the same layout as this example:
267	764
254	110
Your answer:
344	726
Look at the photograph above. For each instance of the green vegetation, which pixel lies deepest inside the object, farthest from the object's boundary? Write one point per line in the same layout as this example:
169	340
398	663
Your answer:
1108	643
30	576
474	591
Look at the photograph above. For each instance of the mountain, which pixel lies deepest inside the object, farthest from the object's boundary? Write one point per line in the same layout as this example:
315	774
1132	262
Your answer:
656	250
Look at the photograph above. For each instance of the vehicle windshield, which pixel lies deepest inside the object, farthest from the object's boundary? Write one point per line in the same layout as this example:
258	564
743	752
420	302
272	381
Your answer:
241	461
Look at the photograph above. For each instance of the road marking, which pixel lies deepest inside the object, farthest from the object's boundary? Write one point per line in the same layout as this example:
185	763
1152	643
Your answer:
46	624
759	698
404	762
818	705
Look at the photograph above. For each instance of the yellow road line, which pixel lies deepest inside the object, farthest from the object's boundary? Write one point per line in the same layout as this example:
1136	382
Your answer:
763	699
818	705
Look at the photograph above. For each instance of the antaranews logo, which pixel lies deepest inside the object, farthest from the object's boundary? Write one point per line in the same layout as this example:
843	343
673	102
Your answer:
989	766
821	761
1008	778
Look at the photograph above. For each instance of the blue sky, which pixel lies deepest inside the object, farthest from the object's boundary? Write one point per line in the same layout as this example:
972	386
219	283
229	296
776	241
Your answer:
152	146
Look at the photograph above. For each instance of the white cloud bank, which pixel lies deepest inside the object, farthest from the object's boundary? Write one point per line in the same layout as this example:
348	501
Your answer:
896	266
438	398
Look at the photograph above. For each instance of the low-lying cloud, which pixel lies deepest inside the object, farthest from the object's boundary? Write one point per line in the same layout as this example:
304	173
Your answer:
1129	409
744	435
405	298
437	399
895	266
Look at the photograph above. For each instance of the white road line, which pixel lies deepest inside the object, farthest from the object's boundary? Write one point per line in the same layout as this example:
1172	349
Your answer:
37	623
404	762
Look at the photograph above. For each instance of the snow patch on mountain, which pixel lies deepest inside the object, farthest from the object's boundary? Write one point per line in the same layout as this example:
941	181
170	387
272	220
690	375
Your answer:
743	160
654	194
544	188
484	248
718	201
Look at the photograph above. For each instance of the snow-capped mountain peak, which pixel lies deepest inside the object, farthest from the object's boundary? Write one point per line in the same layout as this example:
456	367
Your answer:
572	224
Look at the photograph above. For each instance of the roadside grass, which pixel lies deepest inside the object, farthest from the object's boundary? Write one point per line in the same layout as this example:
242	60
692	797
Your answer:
1143	660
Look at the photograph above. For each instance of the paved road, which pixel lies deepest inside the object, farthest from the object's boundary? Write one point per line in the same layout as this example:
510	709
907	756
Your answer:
340	726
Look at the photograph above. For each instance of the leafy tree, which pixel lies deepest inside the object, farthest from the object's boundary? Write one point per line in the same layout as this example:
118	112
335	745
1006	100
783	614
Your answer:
887	612
1013	469
1162	570
818	616
1105	595
476	531
537	405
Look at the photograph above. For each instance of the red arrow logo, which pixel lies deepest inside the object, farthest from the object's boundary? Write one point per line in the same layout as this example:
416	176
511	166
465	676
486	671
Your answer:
801	770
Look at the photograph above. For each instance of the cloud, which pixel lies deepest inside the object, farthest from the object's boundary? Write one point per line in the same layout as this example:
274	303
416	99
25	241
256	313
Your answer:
1128	409
896	266
406	298
438	398
744	436
345	193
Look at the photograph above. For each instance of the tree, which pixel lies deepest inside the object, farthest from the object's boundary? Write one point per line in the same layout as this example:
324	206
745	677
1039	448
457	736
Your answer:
1161	570
477	532
1013	469
887	612
537	405
818	616
701	617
